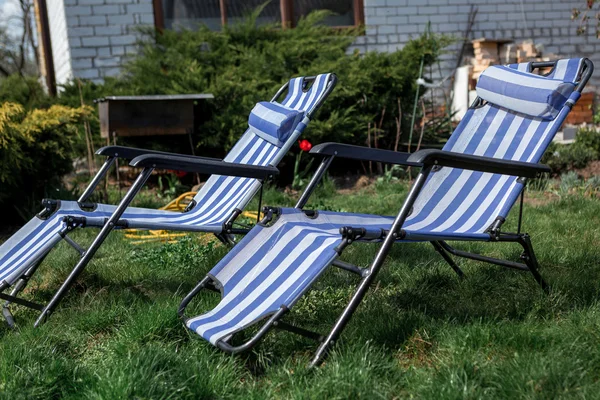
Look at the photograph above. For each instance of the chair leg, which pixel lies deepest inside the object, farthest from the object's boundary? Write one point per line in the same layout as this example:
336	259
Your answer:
188	298
89	254
342	321
530	259
19	286
371	273
448	259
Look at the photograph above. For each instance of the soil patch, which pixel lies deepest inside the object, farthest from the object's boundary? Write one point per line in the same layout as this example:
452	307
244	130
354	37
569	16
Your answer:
592	169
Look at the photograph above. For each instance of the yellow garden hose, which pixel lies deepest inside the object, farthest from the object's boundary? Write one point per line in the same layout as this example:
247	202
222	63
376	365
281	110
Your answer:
178	204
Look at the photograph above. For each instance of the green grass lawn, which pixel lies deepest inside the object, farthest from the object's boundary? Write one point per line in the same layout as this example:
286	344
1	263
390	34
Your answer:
420	333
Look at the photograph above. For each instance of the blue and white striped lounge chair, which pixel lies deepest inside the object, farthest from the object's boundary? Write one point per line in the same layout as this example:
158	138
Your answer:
463	193
273	128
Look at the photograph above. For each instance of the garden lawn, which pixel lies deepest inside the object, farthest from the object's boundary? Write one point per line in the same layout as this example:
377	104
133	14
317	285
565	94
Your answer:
421	332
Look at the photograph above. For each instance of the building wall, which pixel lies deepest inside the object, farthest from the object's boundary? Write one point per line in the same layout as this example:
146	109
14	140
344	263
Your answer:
91	38
60	41
101	34
391	23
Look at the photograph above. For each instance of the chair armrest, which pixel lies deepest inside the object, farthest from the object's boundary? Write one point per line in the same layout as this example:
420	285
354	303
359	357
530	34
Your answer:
129	153
363	153
431	157
203	166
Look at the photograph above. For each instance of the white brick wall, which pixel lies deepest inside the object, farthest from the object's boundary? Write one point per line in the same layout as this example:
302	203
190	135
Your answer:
95	36
391	23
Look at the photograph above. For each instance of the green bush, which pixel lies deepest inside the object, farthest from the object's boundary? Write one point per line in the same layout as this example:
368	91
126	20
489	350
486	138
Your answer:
24	90
589	138
247	62
35	152
566	157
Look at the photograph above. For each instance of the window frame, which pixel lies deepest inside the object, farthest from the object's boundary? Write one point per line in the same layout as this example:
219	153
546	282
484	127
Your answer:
287	14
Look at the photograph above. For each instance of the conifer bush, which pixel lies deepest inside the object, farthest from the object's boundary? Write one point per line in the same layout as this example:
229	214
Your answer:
35	153
247	62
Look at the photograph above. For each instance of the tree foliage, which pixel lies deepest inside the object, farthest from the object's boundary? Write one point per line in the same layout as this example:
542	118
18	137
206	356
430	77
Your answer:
584	14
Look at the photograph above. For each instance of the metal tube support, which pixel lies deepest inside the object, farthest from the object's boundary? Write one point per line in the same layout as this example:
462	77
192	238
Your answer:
531	261
350	268
395	230
89	254
479	257
448	259
96	180
6	309
74	245
257	336
186	300
521	210
314	182
19	286
298	330
260	199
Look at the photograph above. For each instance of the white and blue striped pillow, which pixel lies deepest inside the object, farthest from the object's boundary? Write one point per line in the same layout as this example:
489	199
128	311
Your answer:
524	92
274	122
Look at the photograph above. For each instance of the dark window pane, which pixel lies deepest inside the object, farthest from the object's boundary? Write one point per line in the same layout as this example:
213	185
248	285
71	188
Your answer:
190	13
343	9
237	9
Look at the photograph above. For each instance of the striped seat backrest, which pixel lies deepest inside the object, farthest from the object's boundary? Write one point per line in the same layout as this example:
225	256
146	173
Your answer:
460	201
220	195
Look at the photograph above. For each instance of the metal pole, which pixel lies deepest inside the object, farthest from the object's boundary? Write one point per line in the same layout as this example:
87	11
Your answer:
96	180
448	259
532	263
521	209
414	114
184	303
314	182
89	254
375	266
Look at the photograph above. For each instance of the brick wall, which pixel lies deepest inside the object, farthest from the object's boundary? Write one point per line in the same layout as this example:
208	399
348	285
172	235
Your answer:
91	38
391	23
101	33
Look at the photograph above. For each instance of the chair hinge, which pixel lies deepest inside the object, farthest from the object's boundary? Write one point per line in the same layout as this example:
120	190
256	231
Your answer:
270	213
190	206
87	206
228	224
50	206
120	224
72	222
494	228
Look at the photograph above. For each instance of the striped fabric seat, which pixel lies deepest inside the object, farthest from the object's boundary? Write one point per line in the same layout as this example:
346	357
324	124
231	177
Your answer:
273	266
215	201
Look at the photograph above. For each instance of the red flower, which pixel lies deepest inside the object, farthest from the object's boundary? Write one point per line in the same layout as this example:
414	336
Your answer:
179	174
305	145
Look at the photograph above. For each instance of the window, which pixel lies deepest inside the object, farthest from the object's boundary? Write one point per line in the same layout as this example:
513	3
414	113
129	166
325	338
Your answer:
171	14
343	11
